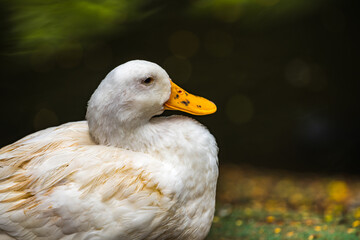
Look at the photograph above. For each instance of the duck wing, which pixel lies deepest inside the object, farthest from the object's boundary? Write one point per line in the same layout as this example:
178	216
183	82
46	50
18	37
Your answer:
58	184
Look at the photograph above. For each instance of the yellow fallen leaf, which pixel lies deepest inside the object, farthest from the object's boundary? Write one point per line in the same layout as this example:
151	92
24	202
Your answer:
356	223
270	219
328	218
338	190
357	213
317	228
238	222
216	219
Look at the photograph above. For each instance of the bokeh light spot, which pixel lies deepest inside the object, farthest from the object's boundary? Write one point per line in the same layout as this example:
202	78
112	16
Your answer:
314	128
183	44
179	69
239	109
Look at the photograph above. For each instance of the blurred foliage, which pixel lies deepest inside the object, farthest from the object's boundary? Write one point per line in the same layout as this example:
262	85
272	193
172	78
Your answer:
263	204
53	25
41	25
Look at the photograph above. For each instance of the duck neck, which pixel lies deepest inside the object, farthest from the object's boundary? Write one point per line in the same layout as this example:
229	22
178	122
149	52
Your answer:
133	136
127	134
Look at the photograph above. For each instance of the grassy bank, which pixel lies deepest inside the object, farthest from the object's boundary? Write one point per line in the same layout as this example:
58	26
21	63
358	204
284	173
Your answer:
267	204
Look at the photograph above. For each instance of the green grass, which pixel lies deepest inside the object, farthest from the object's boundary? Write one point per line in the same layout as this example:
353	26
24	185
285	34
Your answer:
254	205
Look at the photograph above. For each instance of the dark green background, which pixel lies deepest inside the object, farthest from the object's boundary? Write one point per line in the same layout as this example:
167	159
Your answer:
284	74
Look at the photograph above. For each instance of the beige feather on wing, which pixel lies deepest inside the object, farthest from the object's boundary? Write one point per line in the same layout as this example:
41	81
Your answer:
65	157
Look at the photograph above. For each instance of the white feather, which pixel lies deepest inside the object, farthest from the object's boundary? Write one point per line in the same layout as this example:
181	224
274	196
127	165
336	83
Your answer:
128	176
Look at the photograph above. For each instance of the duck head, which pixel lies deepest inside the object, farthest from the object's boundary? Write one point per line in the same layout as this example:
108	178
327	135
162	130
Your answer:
134	92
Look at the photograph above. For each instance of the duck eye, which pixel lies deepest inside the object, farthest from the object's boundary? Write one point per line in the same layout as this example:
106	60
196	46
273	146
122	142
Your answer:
148	80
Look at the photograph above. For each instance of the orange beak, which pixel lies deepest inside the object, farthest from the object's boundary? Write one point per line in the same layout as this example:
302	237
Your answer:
186	102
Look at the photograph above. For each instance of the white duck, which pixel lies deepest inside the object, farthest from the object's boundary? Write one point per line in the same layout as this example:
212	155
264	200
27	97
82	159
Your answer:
122	174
